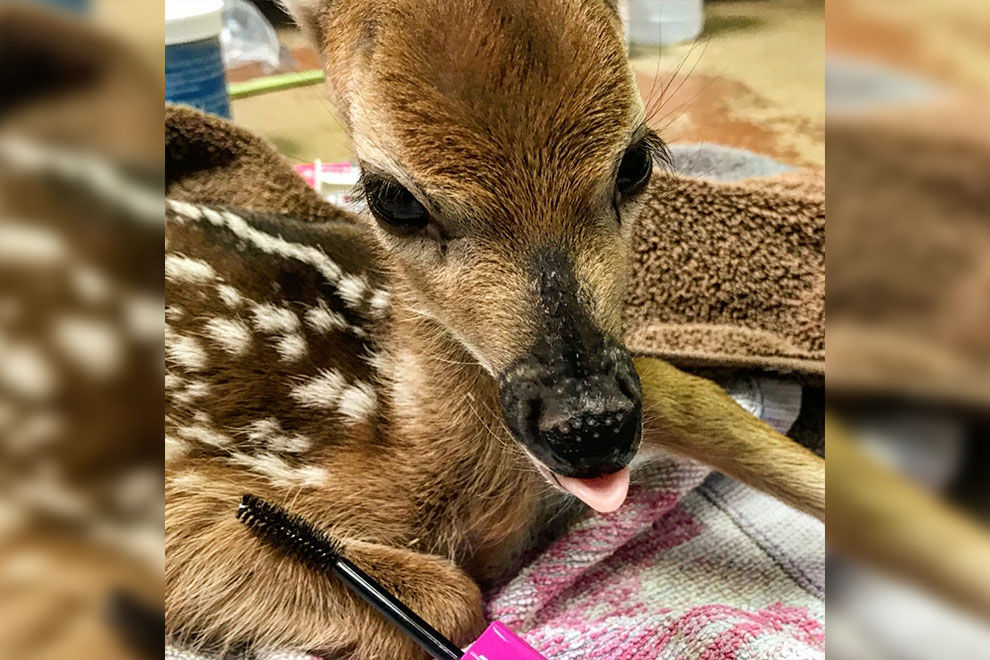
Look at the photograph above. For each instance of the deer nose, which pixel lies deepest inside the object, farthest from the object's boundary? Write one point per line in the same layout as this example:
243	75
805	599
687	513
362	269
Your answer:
581	426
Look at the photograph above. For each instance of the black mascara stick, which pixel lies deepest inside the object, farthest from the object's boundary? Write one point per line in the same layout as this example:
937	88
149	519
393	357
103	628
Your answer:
315	548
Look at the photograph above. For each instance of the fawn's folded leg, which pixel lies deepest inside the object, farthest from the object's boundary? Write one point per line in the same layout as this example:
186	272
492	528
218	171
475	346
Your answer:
226	591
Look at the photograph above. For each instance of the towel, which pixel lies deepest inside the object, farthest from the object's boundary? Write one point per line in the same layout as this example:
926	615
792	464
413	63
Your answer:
909	277
694	565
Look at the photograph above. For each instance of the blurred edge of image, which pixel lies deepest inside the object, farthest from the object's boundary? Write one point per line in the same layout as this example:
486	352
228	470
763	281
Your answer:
81	315
81	207
908	329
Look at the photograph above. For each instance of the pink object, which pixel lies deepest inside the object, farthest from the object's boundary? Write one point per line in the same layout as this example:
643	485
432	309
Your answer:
604	494
333	173
500	643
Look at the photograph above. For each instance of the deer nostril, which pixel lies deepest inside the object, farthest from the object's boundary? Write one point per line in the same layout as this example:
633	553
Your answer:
531	412
628	382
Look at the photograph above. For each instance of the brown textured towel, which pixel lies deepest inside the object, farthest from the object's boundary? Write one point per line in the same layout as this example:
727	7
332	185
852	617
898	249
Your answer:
728	274
731	274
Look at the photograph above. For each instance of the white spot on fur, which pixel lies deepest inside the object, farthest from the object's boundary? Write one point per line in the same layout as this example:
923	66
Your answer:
197	388
26	371
357	402
214	216
352	288
173	313
92	345
206	435
379	361
138	486
262	429
34	433
144	317
173	381
46	490
321	391
184	209
295	443
272	318
30	244
291	347
323	319
193	390
231	335
268	432
380	302
175	447
188	481
185	352
90	284
278	472
183	269
270	244
230	296
93	172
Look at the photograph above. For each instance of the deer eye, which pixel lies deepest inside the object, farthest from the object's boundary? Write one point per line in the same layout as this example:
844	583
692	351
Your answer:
634	170
394	206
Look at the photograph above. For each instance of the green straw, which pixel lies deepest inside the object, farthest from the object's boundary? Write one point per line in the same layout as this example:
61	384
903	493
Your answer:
266	84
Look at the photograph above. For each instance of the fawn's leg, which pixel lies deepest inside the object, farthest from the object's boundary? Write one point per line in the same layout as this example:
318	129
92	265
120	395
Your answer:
880	518
226	590
695	417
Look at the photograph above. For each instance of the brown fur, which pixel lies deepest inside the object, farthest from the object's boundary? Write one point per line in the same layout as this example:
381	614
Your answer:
288	376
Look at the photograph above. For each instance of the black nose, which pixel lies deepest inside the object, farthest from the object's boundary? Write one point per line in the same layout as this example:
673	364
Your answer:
578	424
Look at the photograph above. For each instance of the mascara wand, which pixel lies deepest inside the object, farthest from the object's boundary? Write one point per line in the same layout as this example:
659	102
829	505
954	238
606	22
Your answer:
300	539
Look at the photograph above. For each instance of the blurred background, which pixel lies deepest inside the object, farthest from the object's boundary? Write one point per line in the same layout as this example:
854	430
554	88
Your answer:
907	327
900	88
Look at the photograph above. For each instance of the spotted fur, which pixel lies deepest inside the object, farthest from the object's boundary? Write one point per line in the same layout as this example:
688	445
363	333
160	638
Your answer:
333	425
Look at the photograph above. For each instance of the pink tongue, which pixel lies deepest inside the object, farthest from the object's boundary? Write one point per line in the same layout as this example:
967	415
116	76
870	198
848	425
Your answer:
603	494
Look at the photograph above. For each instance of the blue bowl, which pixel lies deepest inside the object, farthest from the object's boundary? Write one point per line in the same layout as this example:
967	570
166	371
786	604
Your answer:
194	75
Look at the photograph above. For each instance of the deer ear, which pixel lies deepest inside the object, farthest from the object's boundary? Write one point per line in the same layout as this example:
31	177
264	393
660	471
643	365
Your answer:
310	16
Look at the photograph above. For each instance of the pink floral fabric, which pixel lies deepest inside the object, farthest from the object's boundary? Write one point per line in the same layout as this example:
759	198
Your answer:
692	566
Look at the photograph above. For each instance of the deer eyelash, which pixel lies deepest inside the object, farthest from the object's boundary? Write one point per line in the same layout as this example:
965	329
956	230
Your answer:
658	150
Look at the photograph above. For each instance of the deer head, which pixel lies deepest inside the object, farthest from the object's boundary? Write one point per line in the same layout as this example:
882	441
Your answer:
503	152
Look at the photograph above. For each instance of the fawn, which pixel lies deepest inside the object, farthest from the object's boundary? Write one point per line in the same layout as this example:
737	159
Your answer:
427	384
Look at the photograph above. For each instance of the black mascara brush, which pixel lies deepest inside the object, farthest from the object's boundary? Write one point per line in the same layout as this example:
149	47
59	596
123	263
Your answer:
300	539
303	541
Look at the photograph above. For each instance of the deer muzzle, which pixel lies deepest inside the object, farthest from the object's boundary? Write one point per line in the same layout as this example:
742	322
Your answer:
574	399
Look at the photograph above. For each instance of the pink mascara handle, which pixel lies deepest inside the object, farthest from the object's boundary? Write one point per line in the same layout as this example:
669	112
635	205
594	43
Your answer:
500	643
